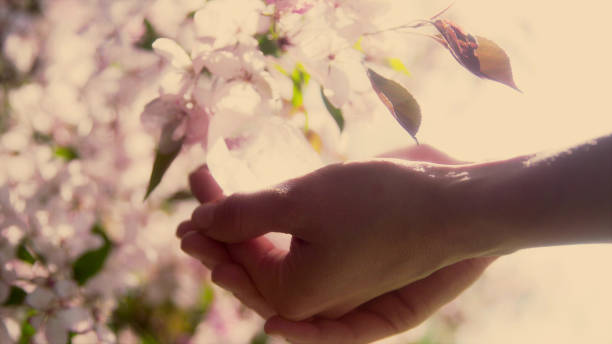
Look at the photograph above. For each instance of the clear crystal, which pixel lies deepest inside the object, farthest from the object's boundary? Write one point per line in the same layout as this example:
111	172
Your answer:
247	153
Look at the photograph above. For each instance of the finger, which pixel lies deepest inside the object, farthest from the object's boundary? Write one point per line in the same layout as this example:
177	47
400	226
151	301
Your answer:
234	278
316	331
388	314
423	152
184	228
208	251
240	217
203	185
422	298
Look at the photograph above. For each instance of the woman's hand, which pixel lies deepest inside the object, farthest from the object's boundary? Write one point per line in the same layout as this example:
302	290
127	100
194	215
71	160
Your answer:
358	245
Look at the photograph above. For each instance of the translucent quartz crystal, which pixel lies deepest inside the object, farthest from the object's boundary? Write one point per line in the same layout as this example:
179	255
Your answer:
247	153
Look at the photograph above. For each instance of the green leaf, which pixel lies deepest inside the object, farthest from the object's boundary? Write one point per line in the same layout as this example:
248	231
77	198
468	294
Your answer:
42	138
427	339
300	78
168	204
260	338
333	111
268	46
160	166
298	99
300	75
16	297
397	65
71	334
146	41
400	102
27	330
357	46
91	262
181	195
24	254
147	338
167	150
206	298
67	153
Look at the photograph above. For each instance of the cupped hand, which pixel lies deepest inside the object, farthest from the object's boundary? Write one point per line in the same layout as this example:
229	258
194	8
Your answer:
359	244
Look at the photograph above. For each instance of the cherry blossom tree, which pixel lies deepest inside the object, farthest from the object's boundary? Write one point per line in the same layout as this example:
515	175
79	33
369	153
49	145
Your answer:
93	93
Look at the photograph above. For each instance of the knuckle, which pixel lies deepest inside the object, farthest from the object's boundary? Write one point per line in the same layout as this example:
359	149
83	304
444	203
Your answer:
296	201
287	198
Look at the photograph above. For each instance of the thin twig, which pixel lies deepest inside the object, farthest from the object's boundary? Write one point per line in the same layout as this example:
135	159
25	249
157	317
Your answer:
443	11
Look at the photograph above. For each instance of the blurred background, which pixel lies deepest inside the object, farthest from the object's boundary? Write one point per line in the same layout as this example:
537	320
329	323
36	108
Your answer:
85	260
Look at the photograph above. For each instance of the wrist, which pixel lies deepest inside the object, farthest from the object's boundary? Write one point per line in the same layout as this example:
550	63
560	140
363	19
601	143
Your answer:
549	199
482	216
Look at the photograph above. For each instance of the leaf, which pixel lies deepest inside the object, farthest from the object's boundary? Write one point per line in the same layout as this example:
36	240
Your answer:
160	166
397	65
148	338
494	62
16	297
42	138
27	330
206	298
67	153
24	254
315	140
268	46
150	35
333	111
167	150
479	55
357	46
168	204
91	262
300	78
181	195
400	103
260	338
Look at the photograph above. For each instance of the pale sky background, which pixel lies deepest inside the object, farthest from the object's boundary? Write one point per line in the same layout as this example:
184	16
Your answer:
560	55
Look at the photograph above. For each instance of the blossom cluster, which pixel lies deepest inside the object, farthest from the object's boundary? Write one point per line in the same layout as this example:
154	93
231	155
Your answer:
240	80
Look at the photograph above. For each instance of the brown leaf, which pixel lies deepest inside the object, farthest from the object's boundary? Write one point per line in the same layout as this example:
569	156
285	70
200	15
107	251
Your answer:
494	62
477	54
400	103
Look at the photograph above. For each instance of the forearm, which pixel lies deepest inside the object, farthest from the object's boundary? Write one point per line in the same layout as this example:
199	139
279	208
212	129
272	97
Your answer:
546	199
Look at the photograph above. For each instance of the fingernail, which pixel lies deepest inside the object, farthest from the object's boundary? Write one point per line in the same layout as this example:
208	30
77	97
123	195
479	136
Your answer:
203	215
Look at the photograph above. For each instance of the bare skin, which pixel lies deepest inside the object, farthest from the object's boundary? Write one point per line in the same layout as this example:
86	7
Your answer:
378	246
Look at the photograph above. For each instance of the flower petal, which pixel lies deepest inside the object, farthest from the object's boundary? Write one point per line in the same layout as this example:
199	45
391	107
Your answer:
171	51
41	298
55	331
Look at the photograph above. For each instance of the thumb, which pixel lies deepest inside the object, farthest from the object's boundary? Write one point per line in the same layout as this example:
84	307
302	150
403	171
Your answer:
240	217
203	185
